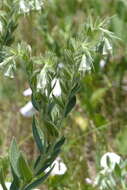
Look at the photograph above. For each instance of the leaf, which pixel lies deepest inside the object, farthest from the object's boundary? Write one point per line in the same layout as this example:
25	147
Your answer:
50	107
34	102
59	143
15	183
98	95
14	156
2	179
75	89
37	161
70	105
118	170
24	169
41	170
58	102
38	181
38	136
63	87
51	128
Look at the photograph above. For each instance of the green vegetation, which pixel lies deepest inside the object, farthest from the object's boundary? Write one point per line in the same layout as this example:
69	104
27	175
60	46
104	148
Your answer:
80	46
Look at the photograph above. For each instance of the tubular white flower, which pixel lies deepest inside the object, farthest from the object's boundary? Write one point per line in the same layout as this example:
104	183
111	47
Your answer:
9	72
56	87
102	63
38	4
8	184
85	64
59	168
27	6
42	80
23	7
113	160
107	48
28	110
89	181
27	92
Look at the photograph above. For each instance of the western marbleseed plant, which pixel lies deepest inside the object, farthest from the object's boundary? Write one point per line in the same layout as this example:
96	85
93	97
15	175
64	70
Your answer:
54	82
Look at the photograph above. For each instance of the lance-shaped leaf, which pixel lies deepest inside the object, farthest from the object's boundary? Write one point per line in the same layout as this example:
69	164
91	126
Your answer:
14	156
16	182
70	106
52	129
24	169
2	179
38	181
38	136
59	143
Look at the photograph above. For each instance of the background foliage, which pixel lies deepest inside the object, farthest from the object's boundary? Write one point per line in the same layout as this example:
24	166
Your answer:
98	123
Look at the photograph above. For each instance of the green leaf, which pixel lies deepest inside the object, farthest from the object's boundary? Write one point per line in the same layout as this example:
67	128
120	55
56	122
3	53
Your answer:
117	170
2	179
75	89
14	156
51	128
24	169
98	95
58	102
37	161
70	105
38	136
38	181
16	182
59	143
45	166
34	102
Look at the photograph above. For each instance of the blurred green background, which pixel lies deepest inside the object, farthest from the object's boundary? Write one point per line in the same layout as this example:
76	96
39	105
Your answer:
99	122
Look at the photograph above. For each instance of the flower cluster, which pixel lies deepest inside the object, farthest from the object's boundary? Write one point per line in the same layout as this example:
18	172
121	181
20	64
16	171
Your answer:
26	6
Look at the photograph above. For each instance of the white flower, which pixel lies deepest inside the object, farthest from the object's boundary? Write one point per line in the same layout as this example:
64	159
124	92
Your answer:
23	7
42	80
89	181
107	48
102	63
60	65
27	92
56	87
10	71
26	6
1	27
42	84
85	64
38	4
59	168
28	110
113	160
8	185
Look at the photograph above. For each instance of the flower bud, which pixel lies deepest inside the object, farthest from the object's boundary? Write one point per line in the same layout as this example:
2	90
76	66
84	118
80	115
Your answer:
23	7
10	71
56	87
42	80
86	63
107	47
